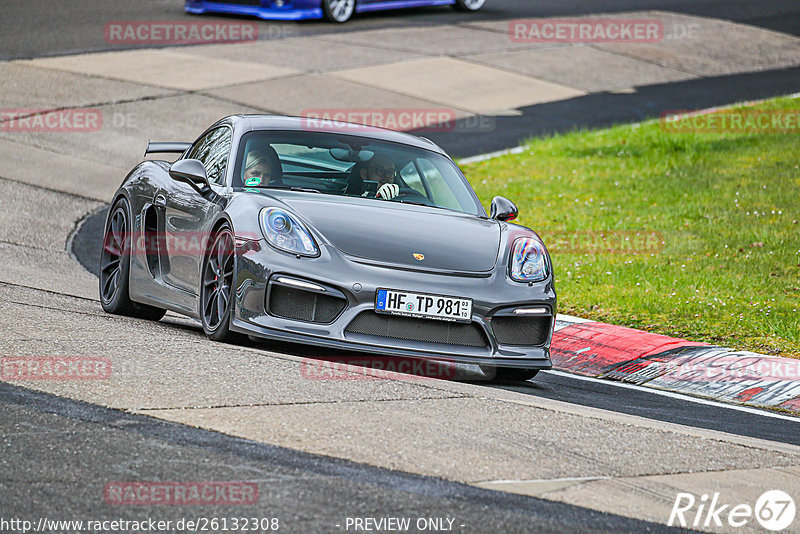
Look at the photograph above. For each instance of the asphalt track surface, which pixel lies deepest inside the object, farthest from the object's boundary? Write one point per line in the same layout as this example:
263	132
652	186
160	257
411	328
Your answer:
35	28
678	409
71	450
607	109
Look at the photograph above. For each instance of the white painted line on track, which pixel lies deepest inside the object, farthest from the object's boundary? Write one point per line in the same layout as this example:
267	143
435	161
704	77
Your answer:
572	319
680	396
543	480
492	155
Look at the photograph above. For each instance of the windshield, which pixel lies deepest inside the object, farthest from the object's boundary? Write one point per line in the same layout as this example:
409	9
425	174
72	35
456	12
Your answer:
350	166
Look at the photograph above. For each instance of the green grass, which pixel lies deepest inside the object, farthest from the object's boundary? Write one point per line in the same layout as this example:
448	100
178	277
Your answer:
725	205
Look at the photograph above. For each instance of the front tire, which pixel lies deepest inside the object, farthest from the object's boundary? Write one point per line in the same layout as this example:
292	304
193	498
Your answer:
508	374
469	5
115	265
338	10
216	305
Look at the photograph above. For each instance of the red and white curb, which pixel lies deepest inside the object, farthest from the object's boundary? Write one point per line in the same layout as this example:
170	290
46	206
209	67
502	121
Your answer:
622	354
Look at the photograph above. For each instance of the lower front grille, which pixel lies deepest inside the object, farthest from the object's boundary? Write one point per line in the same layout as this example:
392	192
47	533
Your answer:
514	330
426	330
300	305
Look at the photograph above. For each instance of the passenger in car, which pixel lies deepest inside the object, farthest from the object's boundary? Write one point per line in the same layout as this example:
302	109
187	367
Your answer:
262	168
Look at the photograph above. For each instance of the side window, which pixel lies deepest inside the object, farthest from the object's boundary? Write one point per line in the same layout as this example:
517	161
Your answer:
212	150
440	190
411	177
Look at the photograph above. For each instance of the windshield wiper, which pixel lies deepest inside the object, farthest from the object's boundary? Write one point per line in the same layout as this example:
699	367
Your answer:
305	189
420	204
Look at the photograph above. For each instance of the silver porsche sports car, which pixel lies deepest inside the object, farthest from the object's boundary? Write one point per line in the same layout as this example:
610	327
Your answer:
330	234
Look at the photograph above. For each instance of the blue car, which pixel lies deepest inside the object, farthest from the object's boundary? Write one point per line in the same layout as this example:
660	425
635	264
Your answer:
333	10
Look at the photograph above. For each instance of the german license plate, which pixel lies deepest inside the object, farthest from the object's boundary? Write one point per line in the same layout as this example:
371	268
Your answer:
423	305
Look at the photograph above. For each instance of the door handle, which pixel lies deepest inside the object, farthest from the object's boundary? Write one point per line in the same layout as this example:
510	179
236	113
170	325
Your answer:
160	200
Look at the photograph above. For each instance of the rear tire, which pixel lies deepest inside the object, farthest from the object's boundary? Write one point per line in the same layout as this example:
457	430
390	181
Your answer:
115	265
508	374
338	10
469	5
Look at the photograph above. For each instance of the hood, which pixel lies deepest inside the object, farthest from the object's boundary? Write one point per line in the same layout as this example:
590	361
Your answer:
392	233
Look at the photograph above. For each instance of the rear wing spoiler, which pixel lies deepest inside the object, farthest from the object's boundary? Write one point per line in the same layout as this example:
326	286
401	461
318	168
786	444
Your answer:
166	148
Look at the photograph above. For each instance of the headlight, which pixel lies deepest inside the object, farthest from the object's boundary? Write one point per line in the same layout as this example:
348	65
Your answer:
528	261
284	232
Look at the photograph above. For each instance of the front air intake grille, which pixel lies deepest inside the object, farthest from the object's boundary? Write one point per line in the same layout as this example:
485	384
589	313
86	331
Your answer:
514	330
426	330
300	305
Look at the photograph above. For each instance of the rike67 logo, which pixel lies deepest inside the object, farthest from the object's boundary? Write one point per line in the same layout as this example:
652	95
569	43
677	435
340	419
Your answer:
774	510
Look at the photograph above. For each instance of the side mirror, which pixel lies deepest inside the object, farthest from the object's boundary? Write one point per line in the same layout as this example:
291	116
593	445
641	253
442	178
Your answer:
192	172
503	209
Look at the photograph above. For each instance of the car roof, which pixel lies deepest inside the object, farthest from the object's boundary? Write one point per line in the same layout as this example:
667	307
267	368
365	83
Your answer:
305	124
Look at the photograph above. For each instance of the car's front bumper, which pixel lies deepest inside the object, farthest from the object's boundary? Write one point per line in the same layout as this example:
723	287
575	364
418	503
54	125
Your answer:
258	266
